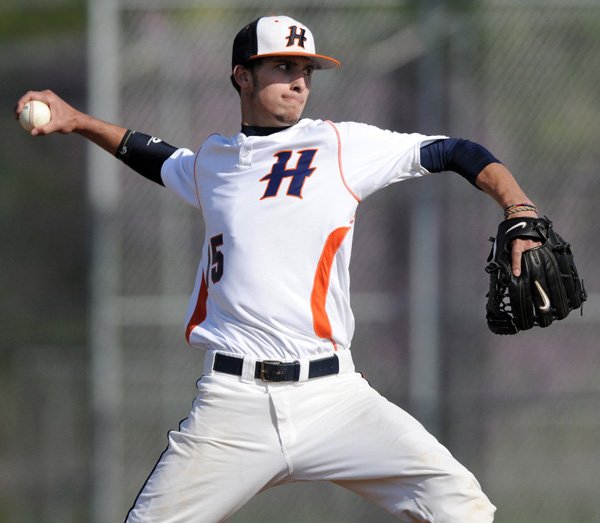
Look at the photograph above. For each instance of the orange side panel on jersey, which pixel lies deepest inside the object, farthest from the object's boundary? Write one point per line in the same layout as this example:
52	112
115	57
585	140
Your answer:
199	314
318	297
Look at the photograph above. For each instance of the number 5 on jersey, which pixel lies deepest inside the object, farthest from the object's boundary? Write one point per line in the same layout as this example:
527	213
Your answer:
216	261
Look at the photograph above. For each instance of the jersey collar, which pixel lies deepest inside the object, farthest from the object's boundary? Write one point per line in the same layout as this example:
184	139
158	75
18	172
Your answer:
255	130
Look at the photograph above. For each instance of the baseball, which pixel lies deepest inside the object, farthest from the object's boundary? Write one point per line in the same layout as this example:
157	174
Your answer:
34	114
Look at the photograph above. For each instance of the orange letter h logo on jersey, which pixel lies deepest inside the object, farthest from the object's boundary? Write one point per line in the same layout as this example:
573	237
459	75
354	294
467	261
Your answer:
279	171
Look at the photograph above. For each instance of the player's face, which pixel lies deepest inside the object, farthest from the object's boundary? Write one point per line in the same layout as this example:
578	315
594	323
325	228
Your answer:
278	91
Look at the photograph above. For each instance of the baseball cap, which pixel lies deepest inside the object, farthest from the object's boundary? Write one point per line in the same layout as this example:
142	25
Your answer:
277	36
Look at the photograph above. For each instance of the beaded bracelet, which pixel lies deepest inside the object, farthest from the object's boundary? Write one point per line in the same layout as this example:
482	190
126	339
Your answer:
519	207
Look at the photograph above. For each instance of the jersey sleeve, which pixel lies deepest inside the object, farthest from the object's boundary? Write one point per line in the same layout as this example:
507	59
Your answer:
372	158
178	175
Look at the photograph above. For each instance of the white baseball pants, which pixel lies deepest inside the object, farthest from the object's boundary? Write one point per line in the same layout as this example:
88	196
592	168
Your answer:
243	436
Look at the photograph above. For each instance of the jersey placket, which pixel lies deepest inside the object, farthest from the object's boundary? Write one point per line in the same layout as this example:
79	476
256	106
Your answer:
246	152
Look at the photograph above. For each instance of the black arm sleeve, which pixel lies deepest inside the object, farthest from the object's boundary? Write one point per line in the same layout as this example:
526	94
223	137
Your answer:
144	154
455	154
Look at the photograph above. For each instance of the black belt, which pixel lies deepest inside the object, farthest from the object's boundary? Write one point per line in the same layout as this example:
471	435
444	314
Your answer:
270	370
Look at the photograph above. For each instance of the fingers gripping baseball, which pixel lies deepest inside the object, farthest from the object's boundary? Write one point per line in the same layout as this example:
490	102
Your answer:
63	117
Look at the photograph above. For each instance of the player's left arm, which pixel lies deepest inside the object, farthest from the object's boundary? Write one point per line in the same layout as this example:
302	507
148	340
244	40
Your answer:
497	181
482	169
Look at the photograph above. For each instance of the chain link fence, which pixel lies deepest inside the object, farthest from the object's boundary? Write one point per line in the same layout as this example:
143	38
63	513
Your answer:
522	412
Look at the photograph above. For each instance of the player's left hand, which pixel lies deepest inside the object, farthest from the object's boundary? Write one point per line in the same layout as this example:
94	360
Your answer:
547	287
519	246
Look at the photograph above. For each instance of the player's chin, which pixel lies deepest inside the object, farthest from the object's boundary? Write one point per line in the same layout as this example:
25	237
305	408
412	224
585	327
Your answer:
288	121
290	116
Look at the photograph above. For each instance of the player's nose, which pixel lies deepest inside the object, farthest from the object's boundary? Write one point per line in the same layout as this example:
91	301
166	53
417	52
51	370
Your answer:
299	84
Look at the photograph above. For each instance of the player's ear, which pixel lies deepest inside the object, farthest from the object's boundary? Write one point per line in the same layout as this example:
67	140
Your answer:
242	76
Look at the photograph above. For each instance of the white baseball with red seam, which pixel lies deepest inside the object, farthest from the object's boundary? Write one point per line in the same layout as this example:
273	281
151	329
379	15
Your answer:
34	114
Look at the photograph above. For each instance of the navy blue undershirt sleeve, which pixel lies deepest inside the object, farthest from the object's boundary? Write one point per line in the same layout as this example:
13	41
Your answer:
455	154
144	154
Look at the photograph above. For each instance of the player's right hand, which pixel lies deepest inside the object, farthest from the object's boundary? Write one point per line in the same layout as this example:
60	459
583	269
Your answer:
64	117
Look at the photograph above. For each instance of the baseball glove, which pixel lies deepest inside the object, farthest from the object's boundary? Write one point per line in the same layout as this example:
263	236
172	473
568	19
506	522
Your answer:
548	287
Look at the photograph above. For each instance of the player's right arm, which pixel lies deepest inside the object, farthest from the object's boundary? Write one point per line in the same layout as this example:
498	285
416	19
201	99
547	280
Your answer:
66	120
144	154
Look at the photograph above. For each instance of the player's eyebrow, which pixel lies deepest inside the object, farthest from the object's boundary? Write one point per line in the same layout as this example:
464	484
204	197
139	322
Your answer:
284	60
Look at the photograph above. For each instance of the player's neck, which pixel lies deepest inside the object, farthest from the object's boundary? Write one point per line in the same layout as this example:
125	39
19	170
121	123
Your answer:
258	130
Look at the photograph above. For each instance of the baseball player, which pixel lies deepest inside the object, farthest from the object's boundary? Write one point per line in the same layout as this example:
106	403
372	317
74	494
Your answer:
279	399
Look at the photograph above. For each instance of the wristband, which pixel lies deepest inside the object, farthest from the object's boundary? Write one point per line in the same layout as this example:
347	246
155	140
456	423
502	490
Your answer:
519	207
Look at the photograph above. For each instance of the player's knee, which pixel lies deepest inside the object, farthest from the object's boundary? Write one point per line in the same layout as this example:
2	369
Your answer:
448	499
459	498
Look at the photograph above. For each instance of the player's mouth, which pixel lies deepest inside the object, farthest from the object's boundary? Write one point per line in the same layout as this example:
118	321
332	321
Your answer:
294	99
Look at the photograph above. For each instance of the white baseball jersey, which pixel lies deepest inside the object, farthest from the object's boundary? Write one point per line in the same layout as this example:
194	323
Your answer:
273	284
273	281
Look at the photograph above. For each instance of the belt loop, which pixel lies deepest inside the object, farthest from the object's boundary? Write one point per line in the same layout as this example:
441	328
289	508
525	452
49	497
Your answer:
304	367
346	362
248	369
209	362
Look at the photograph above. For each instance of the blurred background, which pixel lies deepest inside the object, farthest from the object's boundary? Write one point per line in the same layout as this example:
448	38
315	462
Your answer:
97	263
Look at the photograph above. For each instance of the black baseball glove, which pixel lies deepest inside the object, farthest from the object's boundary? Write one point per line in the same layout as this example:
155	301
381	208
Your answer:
548	287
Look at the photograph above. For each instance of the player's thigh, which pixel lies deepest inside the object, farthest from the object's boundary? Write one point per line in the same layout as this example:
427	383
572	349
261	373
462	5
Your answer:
224	453
352	432
201	481
377	449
